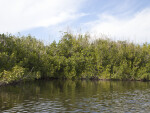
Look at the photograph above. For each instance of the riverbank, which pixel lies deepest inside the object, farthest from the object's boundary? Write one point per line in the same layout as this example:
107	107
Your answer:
65	79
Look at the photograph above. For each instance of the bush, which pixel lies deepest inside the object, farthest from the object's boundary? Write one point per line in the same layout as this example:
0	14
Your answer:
16	74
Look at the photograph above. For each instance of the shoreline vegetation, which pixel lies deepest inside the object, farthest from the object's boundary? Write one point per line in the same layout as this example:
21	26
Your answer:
73	57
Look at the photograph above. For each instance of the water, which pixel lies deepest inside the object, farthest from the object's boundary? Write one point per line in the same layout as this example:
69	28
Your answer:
76	96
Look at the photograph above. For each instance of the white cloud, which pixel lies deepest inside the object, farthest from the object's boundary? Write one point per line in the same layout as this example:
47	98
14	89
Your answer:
18	15
136	28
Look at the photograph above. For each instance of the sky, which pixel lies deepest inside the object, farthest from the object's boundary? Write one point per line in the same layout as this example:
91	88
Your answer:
48	19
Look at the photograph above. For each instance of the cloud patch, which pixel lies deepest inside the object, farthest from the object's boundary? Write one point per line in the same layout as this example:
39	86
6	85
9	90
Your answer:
135	28
19	15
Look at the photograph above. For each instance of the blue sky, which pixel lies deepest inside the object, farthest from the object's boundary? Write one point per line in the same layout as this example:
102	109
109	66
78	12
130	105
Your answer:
48	19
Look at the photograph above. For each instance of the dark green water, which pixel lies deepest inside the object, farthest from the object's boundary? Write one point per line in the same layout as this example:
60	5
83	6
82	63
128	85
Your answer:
76	96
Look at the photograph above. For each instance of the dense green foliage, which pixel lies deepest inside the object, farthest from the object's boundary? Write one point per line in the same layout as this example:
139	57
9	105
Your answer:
23	58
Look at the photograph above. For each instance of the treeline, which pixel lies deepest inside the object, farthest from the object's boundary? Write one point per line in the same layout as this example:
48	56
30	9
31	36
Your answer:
73	57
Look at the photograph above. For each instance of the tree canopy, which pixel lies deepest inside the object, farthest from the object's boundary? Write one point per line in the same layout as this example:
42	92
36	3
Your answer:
25	58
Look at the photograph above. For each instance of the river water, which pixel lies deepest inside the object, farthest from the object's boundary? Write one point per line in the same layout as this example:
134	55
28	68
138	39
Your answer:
76	96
